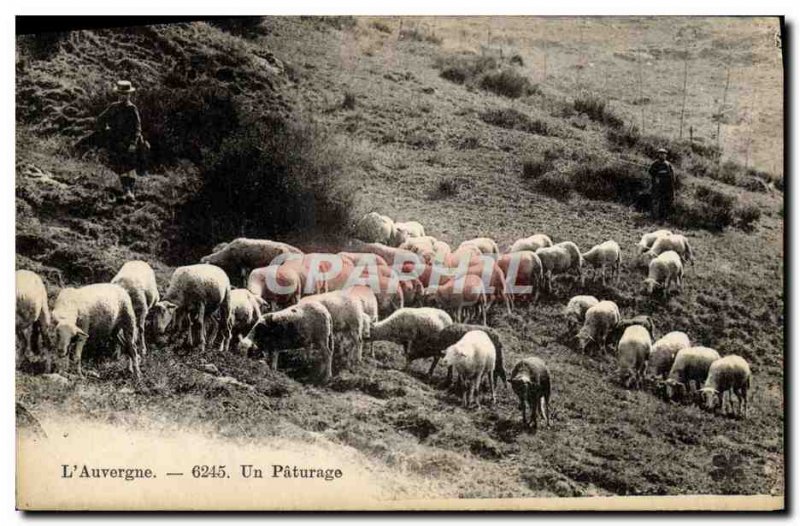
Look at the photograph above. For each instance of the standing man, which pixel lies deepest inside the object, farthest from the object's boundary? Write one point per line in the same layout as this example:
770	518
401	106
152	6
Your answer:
662	186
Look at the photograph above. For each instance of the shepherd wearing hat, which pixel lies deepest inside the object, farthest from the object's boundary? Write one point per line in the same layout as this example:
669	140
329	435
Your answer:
118	130
662	186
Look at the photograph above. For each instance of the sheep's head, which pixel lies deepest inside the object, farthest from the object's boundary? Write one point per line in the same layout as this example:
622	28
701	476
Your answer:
651	285
162	314
67	335
449	356
709	398
520	384
246	346
674	389
584	339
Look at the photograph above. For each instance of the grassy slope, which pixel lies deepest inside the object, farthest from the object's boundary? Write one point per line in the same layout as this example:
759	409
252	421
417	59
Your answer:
604	440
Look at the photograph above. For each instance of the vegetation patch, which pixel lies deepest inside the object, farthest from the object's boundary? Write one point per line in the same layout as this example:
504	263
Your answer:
596	108
512	119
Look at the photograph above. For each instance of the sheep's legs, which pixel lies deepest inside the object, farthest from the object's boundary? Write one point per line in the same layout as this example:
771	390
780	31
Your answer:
433	366
545	408
78	356
25	337
201	318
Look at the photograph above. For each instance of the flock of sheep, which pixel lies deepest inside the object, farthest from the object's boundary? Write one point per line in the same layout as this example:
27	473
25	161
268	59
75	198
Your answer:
392	283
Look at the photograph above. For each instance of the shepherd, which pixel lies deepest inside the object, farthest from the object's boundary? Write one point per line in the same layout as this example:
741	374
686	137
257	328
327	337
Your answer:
662	186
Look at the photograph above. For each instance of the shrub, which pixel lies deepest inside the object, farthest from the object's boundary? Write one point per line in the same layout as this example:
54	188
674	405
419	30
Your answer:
710	209
422	139
597	109
416	35
470	142
610	181
382	27
556	184
747	214
349	101
515	120
448	187
535	168
626	137
462	68
507	83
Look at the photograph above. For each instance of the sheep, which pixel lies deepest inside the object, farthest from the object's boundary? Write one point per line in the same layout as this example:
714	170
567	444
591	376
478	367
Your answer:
33	315
347	317
664	270
433	346
369	306
410	229
598	323
392	255
530	380
199	292
607	254
690	365
555	260
643	320
527	271
472	357
405	326
364	259
673	242
139	280
484	244
95	314
532	243
458	293
422	246
633	352
244	254
730	374
576	308
305	325
648	239
246	311
376	228
279	285
576	258
663	353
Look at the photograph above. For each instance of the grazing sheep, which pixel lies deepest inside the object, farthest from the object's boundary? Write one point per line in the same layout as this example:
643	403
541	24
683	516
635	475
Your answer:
139	280
433	346
303	326
673	242
648	239
690	365
664	270
527	271
364	259
369	306
643	320
663	353
392	255
472	357
97	314
246	310
425	247
530	380
405	326
555	260
575	311
199	293
459	293
244	254
412	292
278	285
576	258
633	351
410	229
347	318
376	228
532	243
730	374
484	244
607	254
599	321
33	315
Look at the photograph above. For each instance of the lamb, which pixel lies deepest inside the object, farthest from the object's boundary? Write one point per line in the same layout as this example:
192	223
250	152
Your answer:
599	322
532	243
33	315
607	254
690	365
347	317
730	374
279	285
244	254
527	271
673	242
96	314
633	352
376	228
433	346
472	357
484	244
246	311
648	239
198	292
555	260
459	293
305	325
530	380
664	270
139	280
405	326
663	353
575	311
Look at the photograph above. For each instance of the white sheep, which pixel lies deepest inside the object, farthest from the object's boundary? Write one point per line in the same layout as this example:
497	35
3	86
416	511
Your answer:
376	228
690	366
99	314
606	254
139	280
410	229
664	270
530	380
278	285
484	245
522	269
662	356
673	242
364	259
730	374
532	243
576	257
246	311
33	314
197	293
598	323
633	352
347	318
302	326
648	239
408	324
369	305
472	357
459	293
244	254
575	311
434	344
558	259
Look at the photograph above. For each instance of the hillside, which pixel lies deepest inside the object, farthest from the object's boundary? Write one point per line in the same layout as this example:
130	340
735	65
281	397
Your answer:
416	146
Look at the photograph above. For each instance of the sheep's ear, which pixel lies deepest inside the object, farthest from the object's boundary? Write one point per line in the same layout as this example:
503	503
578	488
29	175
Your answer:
81	334
169	305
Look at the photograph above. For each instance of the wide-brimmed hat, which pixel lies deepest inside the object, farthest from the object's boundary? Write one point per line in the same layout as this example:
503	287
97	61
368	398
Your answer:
124	86
661	150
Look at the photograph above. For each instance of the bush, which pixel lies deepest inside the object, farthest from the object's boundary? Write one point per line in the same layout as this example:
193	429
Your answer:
556	184
747	214
507	83
462	68
515	120
710	209
626	137
535	168
610	181
380	26
597	109
349	101
448	187
419	36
